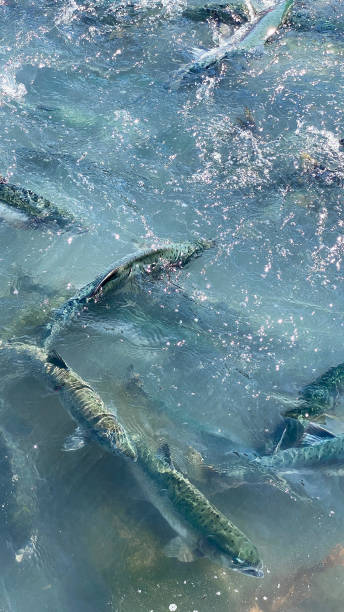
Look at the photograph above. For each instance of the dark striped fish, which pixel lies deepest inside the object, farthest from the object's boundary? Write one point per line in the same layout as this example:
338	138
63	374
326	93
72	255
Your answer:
320	396
83	403
37	209
151	261
202	529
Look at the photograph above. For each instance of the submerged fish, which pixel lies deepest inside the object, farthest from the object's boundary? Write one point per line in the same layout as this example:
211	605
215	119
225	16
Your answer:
319	172
85	406
231	14
320	396
202	529
151	262
327	455
248	37
322	453
38	210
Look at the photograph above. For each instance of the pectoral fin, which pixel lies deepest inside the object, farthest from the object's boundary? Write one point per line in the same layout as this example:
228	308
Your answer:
177	547
76	440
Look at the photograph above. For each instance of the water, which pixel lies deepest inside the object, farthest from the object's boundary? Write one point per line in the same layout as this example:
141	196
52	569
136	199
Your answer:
90	121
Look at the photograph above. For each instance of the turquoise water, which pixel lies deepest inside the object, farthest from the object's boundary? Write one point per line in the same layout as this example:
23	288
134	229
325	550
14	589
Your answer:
91	120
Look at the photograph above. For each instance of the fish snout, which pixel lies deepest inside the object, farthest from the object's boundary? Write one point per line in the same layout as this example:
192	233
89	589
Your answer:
256	572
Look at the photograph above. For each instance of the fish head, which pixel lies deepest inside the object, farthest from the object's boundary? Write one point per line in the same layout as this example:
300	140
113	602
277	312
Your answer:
247	563
185	251
317	397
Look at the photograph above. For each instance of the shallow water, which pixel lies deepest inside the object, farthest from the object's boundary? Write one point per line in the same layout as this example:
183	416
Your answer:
91	122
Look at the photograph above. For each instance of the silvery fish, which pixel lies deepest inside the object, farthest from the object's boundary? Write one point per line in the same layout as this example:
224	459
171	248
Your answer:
85	406
249	37
317	453
150	261
202	529
37	209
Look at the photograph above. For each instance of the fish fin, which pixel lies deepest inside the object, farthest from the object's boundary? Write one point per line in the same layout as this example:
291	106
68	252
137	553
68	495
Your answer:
278	445
56	360
196	52
314	434
164	454
177	547
75	441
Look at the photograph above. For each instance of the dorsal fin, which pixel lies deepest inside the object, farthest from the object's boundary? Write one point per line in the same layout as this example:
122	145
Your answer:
164	454
56	360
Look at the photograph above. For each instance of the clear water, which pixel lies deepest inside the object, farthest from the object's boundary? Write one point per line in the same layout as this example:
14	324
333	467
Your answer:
89	120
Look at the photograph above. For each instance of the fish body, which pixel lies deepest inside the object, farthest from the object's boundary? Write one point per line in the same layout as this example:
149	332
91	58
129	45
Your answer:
83	403
320	396
231	14
36	208
327	456
248	37
325	453
265	26
149	261
202	529
319	449
325	176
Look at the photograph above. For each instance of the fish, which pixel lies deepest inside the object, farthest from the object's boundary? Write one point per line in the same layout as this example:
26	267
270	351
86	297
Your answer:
247	122
316	454
230	14
325	454
94	420
151	261
249	37
38	210
325	176
319	397
202	529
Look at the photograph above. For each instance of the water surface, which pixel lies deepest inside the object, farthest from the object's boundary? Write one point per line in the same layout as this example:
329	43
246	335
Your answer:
90	121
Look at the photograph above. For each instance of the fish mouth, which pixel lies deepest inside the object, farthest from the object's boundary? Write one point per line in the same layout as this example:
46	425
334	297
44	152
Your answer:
256	572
